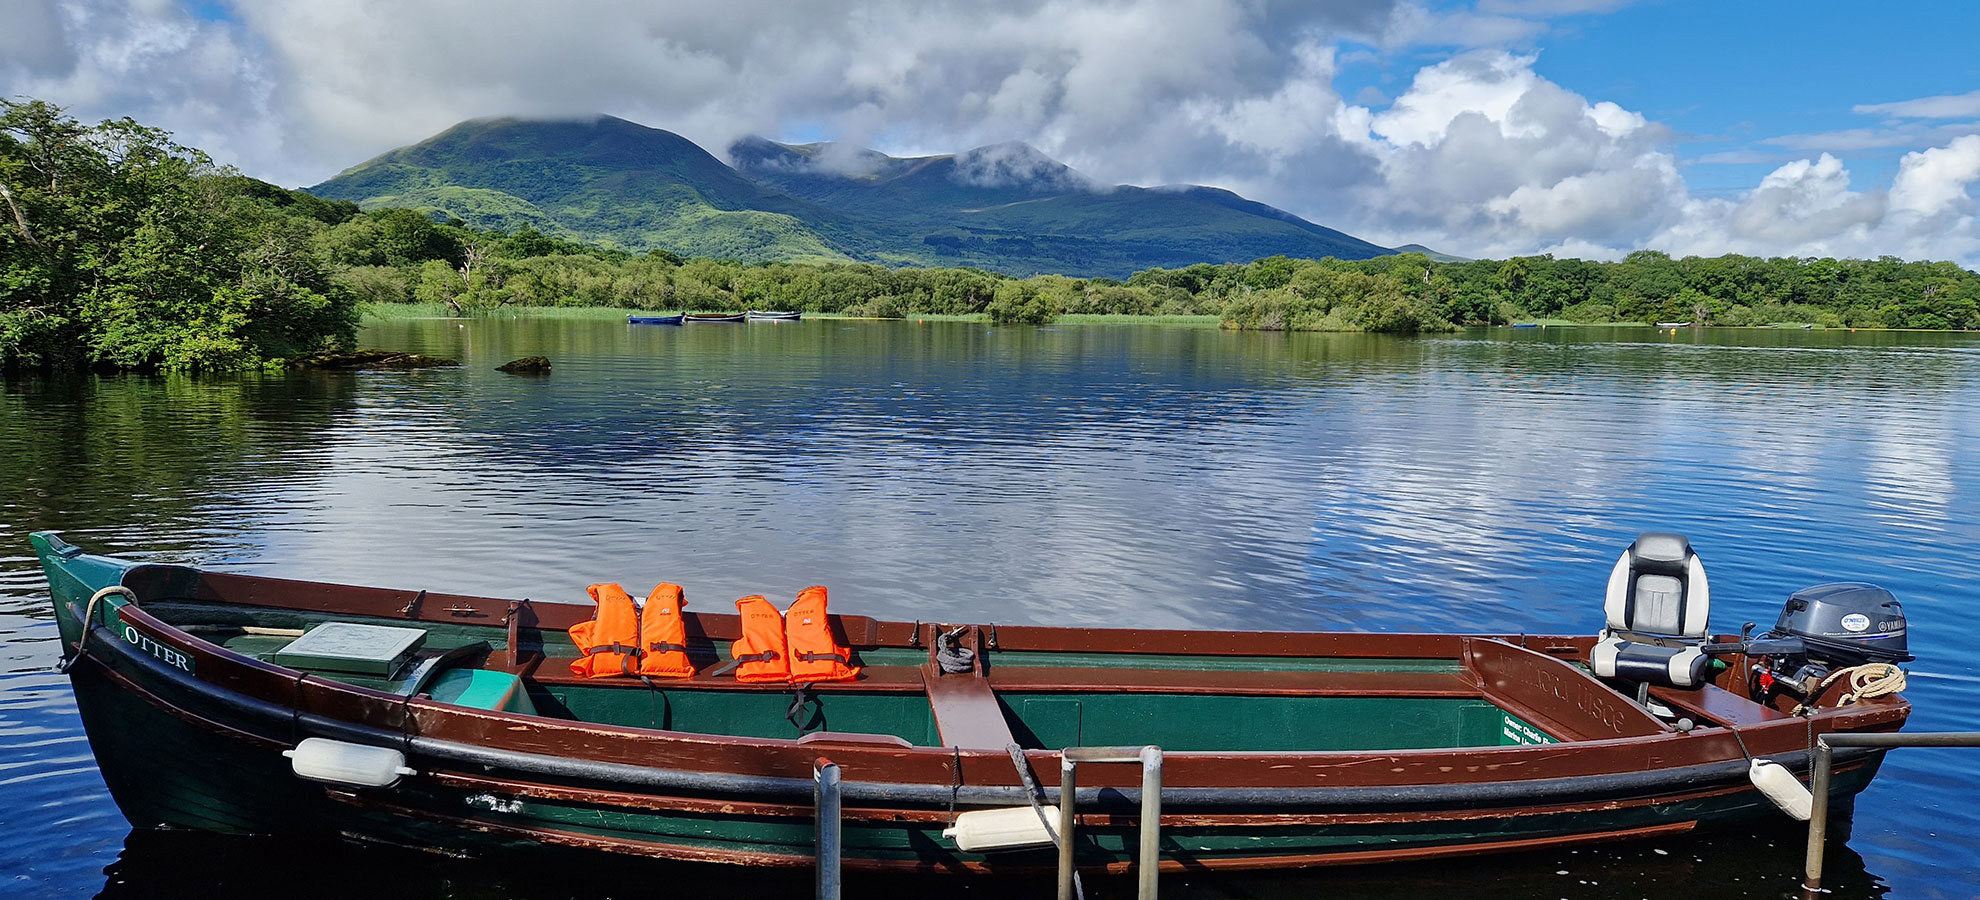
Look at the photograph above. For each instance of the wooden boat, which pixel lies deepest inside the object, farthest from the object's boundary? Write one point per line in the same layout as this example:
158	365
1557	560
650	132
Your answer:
714	317
674	319
758	315
1672	324
1280	749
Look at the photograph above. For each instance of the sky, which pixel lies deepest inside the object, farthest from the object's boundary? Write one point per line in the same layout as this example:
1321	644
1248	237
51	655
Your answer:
1487	128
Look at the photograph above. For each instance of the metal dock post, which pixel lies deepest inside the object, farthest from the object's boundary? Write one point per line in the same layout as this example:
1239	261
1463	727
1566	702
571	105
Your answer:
825	774
1148	864
1818	782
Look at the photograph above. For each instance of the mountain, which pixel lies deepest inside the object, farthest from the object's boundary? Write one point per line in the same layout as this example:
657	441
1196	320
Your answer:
1005	207
1010	207
604	180
1434	255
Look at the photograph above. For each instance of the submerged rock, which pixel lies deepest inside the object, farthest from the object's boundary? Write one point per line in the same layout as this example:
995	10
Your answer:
528	365
368	359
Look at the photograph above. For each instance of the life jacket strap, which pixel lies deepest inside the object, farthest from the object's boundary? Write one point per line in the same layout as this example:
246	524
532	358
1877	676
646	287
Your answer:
726	667
613	648
666	648
812	657
796	713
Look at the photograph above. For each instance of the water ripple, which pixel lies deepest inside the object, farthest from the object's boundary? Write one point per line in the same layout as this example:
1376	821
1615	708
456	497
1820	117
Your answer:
1129	476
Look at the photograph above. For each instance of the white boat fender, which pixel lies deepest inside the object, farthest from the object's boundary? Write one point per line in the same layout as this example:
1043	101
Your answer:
338	762
1013	828
1780	786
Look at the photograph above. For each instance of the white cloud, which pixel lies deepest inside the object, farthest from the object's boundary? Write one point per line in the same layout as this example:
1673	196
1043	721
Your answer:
1493	159
1947	106
1484	84
152	61
1807	208
1480	155
1908	134
33	40
1802	202
1549	7
1412	25
1016	164
1935	181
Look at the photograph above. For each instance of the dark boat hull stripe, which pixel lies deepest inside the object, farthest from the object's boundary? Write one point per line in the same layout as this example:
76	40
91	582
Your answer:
493	761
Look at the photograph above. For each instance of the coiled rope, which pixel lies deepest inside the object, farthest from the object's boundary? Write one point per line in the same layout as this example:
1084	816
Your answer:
1866	681
952	656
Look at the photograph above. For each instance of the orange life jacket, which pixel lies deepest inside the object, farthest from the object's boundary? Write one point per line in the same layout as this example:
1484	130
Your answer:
610	641
815	654
760	655
663	635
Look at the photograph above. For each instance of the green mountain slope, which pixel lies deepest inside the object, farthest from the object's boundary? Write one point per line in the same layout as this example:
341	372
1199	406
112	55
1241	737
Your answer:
1434	255
1006	207
1010	208
603	180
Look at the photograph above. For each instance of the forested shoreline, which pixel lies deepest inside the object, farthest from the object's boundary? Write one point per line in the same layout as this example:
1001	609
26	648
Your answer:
122	250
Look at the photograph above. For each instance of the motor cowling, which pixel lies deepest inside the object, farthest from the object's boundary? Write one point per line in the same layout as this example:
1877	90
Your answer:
1826	629
1846	624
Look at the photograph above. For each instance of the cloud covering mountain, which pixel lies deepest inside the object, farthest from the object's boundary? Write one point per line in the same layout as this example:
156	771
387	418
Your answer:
1005	207
1472	149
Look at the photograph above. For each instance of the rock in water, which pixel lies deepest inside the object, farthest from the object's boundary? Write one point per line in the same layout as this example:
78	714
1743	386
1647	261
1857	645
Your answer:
367	359
528	365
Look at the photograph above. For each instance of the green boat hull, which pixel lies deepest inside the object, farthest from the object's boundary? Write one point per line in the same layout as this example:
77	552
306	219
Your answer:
179	751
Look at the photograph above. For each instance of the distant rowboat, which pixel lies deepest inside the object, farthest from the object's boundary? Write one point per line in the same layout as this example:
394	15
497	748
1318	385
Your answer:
1672	324
757	315
714	317
674	319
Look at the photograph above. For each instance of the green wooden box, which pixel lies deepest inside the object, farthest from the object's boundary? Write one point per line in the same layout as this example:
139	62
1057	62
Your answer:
378	650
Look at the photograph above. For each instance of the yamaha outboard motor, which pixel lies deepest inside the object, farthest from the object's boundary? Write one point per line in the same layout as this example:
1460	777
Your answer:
1847	624
1827	628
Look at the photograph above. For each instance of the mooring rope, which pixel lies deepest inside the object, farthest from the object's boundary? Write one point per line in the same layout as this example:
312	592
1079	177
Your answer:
1037	797
89	622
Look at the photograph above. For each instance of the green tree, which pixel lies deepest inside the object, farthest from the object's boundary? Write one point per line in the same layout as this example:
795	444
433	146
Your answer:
127	250
1030	302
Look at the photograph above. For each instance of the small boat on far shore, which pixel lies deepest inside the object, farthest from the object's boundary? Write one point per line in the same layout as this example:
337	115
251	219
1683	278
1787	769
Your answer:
1672	324
674	319
760	315
714	317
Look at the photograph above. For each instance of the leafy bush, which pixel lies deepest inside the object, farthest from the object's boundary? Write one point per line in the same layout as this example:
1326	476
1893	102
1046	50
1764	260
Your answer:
122	249
1024	303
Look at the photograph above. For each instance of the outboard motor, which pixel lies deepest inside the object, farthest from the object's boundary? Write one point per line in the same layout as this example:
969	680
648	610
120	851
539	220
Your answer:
1828	628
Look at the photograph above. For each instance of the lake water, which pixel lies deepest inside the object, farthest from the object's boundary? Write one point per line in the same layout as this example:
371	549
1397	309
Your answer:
1119	475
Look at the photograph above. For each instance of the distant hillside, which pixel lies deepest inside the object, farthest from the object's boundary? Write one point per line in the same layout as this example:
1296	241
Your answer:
1011	208
1005	207
603	180
1434	255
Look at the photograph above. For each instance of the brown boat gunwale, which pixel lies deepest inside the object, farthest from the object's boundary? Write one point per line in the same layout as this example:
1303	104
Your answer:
700	752
606	798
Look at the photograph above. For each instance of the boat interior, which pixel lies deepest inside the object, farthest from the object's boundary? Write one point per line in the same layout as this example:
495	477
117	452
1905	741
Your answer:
1037	687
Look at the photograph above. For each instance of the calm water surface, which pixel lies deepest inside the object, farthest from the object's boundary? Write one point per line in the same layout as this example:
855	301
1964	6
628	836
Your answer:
1116	475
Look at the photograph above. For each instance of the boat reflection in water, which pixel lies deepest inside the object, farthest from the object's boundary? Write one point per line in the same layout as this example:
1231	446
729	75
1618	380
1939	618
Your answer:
1725	864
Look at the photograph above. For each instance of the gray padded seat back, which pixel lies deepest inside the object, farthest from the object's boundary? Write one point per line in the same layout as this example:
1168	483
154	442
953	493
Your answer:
1657	605
1658	587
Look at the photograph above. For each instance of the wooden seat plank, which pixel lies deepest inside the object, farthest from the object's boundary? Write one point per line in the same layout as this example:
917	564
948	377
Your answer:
967	713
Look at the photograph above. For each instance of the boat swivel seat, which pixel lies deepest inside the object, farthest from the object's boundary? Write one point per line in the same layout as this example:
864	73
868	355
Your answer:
1656	606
